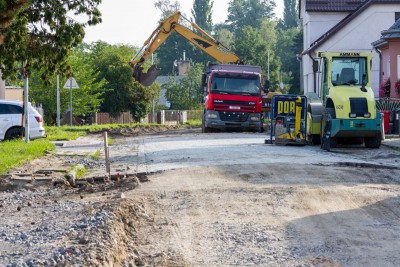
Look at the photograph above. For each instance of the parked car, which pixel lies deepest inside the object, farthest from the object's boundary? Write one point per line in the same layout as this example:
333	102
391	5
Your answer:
10	121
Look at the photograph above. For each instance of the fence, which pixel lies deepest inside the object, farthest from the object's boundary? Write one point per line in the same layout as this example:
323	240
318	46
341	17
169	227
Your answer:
161	117
107	118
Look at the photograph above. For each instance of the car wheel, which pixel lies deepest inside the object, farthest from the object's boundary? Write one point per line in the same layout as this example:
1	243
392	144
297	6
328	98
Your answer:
13	133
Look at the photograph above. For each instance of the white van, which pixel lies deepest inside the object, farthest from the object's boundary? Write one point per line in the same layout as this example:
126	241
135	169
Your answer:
10	121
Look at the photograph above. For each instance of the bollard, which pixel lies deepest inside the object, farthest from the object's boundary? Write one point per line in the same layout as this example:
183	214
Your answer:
107	155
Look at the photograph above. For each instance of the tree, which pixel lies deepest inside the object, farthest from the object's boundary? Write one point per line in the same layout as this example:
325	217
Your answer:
202	14
187	93
43	33
123	92
86	99
243	13
289	15
290	45
8	12
167	8
256	46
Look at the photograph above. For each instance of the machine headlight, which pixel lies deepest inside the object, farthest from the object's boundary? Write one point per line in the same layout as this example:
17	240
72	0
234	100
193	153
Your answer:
352	115
367	115
255	118
212	115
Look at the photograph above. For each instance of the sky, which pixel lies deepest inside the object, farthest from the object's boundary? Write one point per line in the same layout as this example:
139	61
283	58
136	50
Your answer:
132	21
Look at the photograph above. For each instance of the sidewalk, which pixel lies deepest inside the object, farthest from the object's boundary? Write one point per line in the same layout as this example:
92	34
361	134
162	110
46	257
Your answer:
392	141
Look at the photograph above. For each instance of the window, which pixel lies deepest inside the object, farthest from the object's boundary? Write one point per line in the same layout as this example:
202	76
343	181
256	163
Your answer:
10	109
236	84
396	16
349	70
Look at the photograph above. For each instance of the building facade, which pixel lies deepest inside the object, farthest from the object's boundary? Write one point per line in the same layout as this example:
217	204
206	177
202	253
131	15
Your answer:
338	25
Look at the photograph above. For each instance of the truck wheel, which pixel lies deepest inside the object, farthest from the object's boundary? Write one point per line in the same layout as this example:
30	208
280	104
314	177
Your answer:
205	129
372	142
13	133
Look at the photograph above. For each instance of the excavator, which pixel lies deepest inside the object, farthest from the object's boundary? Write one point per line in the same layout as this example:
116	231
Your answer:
203	41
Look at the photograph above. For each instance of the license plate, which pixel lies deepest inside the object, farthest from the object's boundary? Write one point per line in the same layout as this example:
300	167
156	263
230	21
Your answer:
234	107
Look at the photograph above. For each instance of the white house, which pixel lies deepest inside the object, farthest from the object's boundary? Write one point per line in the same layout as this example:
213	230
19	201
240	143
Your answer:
343	25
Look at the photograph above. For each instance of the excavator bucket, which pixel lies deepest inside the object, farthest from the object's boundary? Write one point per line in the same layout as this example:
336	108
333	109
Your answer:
147	78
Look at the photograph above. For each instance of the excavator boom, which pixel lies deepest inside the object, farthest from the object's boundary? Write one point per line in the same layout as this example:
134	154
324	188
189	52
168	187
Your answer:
204	41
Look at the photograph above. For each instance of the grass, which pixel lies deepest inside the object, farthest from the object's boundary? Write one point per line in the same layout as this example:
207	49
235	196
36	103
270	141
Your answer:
193	123
16	152
96	155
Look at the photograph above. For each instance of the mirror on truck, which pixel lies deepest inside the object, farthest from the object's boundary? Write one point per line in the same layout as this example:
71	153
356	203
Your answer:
266	86
364	83
204	79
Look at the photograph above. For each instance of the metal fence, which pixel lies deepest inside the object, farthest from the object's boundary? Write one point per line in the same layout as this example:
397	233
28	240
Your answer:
107	118
161	117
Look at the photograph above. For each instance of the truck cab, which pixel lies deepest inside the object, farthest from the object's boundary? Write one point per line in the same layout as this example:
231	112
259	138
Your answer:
232	98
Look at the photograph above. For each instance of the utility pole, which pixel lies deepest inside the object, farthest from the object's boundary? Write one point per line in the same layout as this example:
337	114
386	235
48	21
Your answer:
26	105
58	100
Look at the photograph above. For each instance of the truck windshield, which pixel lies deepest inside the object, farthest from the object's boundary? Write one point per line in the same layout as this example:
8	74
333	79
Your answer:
236	84
349	71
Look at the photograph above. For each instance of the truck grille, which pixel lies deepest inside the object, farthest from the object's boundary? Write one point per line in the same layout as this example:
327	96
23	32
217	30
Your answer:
233	116
248	106
359	106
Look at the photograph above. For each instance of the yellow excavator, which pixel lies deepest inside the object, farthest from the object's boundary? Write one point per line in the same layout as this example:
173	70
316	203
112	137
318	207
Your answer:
203	41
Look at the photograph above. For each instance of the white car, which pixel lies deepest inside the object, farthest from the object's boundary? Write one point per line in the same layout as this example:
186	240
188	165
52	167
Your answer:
10	121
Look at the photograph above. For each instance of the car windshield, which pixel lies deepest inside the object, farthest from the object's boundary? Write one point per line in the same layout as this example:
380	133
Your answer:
236	84
349	71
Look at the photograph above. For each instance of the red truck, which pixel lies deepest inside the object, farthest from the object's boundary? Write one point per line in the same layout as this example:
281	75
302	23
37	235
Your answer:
232	98
232	92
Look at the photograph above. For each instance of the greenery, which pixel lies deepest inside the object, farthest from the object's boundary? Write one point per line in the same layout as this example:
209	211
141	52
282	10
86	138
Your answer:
96	155
40	34
102	70
123	93
85	100
16	152
65	132
187	93
251	31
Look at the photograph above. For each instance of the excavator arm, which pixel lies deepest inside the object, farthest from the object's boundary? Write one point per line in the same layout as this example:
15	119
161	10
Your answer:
204	41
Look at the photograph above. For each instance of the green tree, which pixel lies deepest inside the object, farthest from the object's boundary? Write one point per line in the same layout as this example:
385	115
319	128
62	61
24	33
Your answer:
8	13
167	7
123	92
243	13
225	37
187	93
202	14
289	15
290	45
256	46
86	99
43	33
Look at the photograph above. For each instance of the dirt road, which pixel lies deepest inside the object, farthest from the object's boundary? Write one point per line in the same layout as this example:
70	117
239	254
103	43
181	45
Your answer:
228	199
231	200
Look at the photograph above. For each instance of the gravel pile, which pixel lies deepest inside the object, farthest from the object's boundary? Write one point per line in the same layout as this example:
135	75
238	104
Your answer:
49	227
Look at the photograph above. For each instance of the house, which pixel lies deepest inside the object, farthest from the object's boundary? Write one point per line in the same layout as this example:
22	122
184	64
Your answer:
162	80
343	25
388	47
14	93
